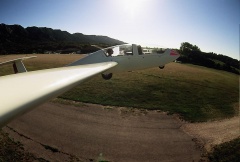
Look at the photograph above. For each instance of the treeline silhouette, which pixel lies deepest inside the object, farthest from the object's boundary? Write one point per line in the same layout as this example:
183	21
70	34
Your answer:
14	39
192	54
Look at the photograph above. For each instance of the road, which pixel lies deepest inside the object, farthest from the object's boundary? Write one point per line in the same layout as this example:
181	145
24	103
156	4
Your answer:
60	132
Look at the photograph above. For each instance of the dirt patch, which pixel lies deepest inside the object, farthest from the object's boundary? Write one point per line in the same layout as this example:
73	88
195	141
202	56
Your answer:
213	133
56	131
236	107
86	132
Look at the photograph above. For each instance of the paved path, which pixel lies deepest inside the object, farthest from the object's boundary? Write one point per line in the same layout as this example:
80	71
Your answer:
59	132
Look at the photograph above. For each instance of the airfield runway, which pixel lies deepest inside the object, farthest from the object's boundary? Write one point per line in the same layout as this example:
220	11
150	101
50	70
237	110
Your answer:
60	132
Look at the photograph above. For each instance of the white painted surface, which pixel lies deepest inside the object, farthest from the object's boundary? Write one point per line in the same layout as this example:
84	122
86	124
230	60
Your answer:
20	93
14	60
129	62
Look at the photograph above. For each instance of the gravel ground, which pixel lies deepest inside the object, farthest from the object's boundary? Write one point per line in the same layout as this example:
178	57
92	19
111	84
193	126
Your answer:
60	132
213	133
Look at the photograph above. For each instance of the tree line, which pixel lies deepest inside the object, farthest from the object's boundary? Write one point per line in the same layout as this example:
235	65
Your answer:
192	54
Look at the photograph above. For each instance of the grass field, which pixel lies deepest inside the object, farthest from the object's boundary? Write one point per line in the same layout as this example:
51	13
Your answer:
196	93
13	151
226	152
41	62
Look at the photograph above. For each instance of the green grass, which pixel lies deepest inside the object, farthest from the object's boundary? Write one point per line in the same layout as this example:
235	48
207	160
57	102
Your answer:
196	93
226	152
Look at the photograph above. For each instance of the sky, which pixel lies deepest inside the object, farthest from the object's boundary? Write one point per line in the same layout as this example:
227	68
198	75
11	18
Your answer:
212	25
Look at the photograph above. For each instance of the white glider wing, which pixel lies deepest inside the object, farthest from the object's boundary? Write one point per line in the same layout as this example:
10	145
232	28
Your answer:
20	93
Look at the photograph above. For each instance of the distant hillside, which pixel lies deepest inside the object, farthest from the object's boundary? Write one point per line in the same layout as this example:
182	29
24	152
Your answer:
192	54
16	39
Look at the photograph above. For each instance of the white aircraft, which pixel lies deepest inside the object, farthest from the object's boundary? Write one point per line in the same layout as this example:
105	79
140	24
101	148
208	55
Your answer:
22	92
129	57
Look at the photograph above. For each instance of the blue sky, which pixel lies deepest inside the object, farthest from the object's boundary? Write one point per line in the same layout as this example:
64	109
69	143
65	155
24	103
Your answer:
212	25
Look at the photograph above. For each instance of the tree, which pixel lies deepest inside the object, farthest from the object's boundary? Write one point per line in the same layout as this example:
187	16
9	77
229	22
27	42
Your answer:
187	47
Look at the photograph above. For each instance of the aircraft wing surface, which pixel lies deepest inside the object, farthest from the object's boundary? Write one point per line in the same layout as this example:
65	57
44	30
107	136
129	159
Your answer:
18	59
18	65
20	93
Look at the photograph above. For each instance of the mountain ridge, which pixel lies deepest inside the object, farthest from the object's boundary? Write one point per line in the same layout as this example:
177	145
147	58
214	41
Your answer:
17	39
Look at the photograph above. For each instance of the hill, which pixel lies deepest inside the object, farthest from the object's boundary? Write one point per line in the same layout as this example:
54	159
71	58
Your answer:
16	39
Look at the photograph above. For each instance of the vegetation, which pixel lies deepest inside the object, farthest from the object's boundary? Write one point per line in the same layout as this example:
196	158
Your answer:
229	151
196	93
16	39
192	54
14	151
